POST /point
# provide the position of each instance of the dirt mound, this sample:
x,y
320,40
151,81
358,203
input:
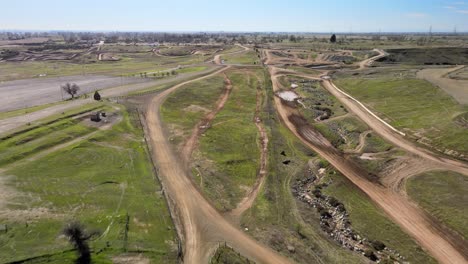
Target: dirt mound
x,y
427,56
345,58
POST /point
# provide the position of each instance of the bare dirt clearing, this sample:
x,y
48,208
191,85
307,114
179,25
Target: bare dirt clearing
x,y
31,92
458,89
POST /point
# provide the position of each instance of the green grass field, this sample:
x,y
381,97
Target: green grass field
x,y
106,183
249,57
413,104
46,133
231,144
186,106
443,194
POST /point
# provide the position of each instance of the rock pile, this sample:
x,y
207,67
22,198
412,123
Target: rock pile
x,y
334,220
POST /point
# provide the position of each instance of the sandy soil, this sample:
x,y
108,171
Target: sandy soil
x,y
31,92
444,245
458,89
202,226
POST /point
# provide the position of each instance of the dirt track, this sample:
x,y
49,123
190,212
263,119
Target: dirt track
x,y
444,245
201,126
202,226
368,62
458,89
389,133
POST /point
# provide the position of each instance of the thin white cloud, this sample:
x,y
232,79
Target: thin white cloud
x,y
459,3
449,7
416,15
462,11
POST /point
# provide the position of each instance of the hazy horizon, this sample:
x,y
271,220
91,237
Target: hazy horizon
x,y
297,16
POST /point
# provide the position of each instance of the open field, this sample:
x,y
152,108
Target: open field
x,y
414,106
248,58
457,88
228,157
258,156
27,93
443,194
15,121
111,188
185,107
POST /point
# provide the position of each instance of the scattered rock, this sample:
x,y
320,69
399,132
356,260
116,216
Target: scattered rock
x,y
291,249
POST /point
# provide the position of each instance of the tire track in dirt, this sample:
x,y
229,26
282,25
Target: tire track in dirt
x,y
203,227
248,200
204,124
445,245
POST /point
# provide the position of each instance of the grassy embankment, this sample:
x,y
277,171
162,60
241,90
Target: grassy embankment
x,y
413,106
106,182
45,134
443,194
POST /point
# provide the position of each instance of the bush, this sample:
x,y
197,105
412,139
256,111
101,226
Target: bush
x,y
378,245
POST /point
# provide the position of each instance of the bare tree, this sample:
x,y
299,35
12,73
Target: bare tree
x,y
78,237
71,89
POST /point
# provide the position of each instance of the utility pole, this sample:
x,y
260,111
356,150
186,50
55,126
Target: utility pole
x,y
455,30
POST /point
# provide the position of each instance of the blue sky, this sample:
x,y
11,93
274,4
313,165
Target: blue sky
x,y
237,15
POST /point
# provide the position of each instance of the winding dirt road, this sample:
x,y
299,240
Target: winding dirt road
x,y
443,244
203,227
368,62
